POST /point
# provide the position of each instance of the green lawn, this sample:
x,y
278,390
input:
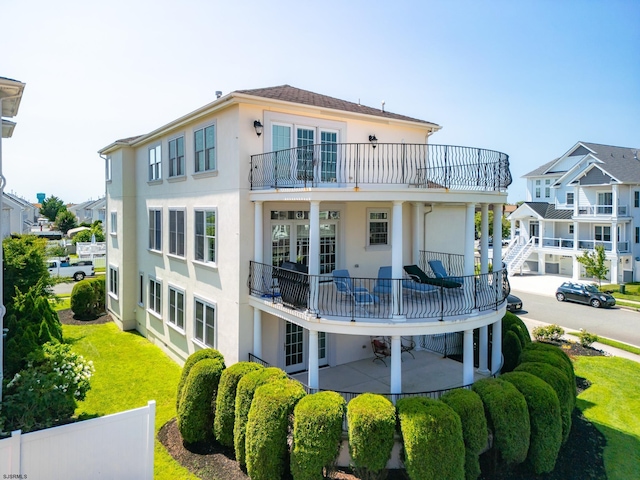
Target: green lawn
x,y
64,302
130,371
612,404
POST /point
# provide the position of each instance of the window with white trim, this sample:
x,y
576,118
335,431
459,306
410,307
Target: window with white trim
x,y
571,229
570,198
176,157
107,169
176,307
113,281
155,163
602,233
155,296
205,149
637,234
537,188
547,188
155,229
377,227
205,235
636,199
141,289
113,223
176,232
205,323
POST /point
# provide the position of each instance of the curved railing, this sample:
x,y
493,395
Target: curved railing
x,y
355,164
378,298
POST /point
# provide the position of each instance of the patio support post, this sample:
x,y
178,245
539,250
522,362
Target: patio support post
x,y
396,365
470,228
483,354
257,255
496,346
496,261
576,267
484,238
467,358
313,360
314,254
396,261
418,232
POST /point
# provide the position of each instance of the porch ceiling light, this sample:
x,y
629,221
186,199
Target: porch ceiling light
x,y
258,126
373,140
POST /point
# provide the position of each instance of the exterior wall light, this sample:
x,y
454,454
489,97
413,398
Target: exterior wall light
x,y
373,140
258,126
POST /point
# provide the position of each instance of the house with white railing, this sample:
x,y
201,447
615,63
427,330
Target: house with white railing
x,y
294,228
18,215
589,196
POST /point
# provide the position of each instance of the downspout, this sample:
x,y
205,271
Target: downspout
x,y
424,226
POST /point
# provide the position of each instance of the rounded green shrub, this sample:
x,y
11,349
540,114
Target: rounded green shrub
x,y
468,405
244,396
544,417
99,292
557,352
557,379
433,441
188,365
196,412
83,300
226,400
511,351
512,322
371,422
553,356
507,417
317,434
267,427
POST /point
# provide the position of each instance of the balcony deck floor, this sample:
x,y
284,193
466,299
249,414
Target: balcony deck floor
x,y
427,372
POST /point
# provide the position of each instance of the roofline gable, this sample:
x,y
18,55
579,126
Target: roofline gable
x,y
587,169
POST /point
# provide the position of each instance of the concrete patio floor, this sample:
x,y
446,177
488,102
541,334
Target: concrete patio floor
x,y
427,372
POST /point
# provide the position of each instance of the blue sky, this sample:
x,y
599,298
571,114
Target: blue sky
x,y
528,78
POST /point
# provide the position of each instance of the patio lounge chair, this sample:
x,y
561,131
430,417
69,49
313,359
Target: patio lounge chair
x,y
418,275
383,284
359,295
406,345
440,272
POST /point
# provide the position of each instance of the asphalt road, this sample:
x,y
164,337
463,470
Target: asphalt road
x,y
614,323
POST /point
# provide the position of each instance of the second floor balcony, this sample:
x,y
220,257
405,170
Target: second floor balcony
x,y
356,164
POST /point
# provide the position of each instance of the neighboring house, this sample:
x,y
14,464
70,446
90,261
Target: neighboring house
x,y
18,215
209,214
588,196
90,211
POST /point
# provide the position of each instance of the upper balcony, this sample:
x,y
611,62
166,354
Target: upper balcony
x,y
351,165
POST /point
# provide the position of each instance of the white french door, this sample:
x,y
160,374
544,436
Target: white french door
x,y
296,346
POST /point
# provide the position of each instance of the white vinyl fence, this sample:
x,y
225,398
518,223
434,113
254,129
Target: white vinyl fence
x,y
115,446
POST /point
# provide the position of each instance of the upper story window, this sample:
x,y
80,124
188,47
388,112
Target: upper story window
x,y
176,232
377,227
176,157
205,235
155,229
569,198
205,323
113,223
605,203
205,149
155,296
636,199
537,188
155,163
547,188
176,307
107,169
113,281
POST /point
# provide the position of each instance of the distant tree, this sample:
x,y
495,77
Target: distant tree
x,y
65,221
85,235
594,263
506,225
24,266
51,207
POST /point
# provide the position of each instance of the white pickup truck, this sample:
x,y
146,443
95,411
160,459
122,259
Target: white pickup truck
x,y
77,269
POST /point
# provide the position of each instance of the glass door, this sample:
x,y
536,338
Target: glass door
x,y
294,356
281,142
322,349
280,243
304,142
328,156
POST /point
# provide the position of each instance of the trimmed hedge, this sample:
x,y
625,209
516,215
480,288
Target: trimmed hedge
x,y
226,400
83,299
511,350
468,405
553,356
371,422
507,417
557,352
244,396
267,427
512,322
317,434
196,412
188,365
557,379
433,441
544,417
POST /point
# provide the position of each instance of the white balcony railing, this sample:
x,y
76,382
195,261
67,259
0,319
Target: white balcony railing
x,y
568,243
604,210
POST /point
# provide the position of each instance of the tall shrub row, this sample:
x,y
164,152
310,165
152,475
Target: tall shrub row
x,y
188,365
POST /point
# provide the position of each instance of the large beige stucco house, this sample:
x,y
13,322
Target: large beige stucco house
x,y
236,225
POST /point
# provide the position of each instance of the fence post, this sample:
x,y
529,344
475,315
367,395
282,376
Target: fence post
x,y
151,421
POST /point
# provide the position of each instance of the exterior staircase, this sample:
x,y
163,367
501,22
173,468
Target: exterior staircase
x,y
516,253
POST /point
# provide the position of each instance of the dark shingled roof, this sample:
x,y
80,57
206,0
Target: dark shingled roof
x,y
541,169
287,93
548,211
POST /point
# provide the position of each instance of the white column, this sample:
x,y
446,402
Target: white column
x,y
418,231
484,238
257,257
576,196
614,201
3,309
576,268
396,365
470,227
496,345
314,254
467,358
313,360
483,354
541,263
513,229
396,261
496,261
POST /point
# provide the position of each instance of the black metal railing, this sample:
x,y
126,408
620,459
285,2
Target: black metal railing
x,y
355,164
379,298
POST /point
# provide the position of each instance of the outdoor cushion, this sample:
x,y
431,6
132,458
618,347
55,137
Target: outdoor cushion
x,y
418,275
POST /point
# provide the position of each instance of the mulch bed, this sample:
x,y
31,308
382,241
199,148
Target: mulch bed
x,y
68,318
581,458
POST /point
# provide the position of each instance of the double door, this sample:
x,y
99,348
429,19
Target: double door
x,y
296,348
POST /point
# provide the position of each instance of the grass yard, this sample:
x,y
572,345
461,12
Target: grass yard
x,y
612,404
63,304
130,371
